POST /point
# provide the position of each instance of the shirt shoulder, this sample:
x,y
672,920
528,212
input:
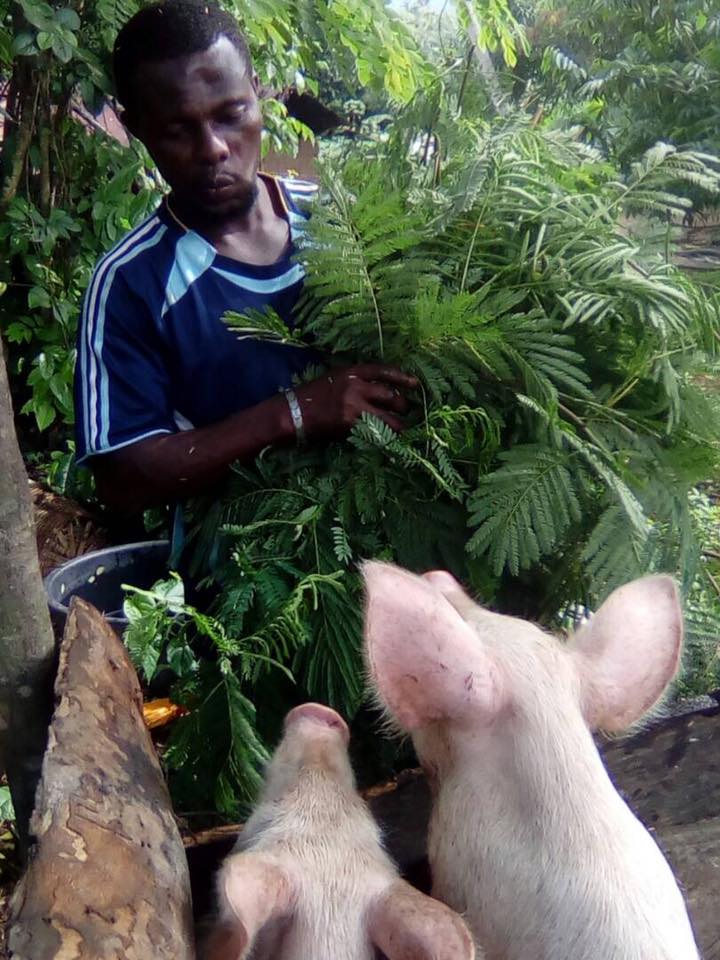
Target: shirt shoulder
x,y
142,267
138,250
298,194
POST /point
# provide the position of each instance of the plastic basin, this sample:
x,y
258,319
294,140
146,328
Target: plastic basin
x,y
98,578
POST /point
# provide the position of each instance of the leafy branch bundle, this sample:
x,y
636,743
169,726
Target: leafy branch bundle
x,y
549,454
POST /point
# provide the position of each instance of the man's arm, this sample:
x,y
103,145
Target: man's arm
x,y
170,467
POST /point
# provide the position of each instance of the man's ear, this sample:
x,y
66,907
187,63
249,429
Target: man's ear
x,y
629,652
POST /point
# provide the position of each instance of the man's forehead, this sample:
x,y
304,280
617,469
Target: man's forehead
x,y
220,68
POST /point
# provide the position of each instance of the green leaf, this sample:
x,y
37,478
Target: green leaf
x,y
180,657
24,44
524,508
45,414
64,46
38,297
6,46
7,811
68,18
45,40
18,332
145,647
39,14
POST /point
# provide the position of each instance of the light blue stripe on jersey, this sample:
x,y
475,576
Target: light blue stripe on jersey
x,y
254,285
104,379
159,431
145,237
306,187
89,391
298,225
300,192
193,256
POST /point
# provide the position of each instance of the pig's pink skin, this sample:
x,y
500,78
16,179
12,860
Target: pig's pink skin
x,y
309,879
528,837
321,714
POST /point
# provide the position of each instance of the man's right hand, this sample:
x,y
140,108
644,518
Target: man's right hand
x,y
175,466
331,404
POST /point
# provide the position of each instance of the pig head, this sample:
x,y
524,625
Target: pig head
x,y
528,837
309,879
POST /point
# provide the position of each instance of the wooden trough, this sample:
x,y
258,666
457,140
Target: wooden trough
x,y
109,877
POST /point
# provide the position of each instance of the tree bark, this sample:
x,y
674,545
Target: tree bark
x,y
487,67
27,646
109,877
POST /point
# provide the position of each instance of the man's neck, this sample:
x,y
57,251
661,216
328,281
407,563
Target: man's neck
x,y
258,235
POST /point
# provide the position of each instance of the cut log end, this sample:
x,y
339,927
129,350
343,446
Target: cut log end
x,y
109,875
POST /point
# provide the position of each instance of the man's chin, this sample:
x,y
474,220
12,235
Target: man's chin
x,y
210,208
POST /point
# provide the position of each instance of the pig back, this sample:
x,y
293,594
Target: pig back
x,y
553,888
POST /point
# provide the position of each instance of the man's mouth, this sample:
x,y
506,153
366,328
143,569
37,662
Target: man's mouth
x,y
217,186
219,192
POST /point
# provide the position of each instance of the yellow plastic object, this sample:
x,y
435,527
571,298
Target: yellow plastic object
x,y
158,713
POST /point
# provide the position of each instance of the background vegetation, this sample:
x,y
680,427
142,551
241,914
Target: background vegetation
x,y
501,217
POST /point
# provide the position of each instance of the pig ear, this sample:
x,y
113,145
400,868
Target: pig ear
x,y
404,923
629,652
252,892
425,660
225,942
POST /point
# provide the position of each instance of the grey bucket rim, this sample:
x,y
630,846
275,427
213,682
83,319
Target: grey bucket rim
x,y
50,578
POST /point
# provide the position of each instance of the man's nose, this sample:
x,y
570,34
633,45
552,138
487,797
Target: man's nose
x,y
213,148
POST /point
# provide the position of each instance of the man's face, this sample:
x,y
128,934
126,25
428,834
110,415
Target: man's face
x,y
200,119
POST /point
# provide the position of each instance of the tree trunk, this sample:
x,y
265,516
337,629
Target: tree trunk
x,y
487,67
27,646
109,878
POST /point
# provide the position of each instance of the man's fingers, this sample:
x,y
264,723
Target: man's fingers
x,y
389,397
379,371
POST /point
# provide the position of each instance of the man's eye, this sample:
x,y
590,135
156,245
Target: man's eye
x,y
234,113
174,131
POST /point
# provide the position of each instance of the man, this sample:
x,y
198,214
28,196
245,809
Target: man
x,y
166,395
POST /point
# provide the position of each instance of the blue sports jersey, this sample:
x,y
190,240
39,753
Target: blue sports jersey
x,y
154,355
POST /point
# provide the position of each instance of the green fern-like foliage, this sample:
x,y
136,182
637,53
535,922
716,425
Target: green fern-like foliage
x,y
550,449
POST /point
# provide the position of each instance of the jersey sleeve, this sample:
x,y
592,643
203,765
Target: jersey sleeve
x,y
122,380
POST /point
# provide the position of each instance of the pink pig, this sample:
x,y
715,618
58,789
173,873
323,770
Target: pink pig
x,y
528,837
309,879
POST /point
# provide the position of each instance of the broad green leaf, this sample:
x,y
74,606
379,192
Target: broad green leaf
x,y
45,40
7,811
45,414
68,18
39,14
38,297
24,44
64,46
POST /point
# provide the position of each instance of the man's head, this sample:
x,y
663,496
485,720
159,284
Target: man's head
x,y
184,76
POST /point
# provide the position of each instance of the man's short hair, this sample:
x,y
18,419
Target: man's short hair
x,y
175,28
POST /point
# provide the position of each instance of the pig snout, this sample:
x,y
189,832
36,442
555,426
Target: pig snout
x,y
322,716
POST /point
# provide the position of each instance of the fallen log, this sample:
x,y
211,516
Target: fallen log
x,y
108,878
